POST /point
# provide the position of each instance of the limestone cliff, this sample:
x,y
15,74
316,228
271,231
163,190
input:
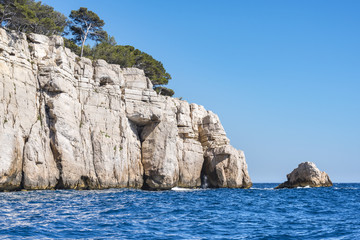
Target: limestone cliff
x,y
72,123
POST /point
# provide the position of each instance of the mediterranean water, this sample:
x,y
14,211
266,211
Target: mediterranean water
x,y
257,213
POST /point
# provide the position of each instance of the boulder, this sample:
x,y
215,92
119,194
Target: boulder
x,y
306,174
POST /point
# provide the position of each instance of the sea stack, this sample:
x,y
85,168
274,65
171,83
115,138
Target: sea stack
x,y
306,174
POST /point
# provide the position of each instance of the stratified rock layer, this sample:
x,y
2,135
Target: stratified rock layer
x,y
67,122
306,174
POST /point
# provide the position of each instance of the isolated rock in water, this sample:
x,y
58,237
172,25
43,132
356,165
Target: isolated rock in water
x,y
72,123
306,174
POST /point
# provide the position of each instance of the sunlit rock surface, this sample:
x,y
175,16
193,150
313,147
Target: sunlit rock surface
x,y
72,123
306,174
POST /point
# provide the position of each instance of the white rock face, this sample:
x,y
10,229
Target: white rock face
x,y
68,122
306,174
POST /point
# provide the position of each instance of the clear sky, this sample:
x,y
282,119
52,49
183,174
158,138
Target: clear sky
x,y
283,76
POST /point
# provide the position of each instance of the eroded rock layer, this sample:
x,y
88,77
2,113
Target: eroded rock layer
x,y
72,123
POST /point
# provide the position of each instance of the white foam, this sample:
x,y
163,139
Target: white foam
x,y
347,188
178,189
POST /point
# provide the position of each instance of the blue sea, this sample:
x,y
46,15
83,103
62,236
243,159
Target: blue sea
x,y
256,213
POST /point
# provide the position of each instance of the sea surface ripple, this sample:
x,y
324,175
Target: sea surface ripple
x,y
257,213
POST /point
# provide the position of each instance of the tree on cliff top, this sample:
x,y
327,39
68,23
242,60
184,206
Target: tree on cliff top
x,y
86,25
30,16
128,56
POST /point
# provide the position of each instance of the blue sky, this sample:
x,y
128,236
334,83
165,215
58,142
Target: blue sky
x,y
283,76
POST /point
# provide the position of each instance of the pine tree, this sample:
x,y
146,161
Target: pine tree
x,y
86,25
30,16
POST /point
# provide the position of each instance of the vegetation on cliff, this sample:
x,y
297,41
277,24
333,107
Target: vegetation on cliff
x,y
127,56
32,16
85,25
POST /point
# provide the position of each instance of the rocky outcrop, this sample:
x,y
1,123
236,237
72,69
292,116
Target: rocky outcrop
x,y
72,123
306,174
